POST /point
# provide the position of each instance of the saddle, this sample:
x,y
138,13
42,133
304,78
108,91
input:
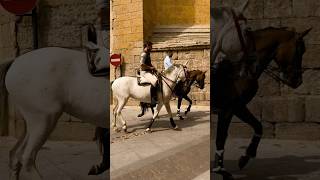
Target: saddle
x,y
96,66
153,90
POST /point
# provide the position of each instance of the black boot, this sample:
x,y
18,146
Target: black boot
x,y
143,109
154,96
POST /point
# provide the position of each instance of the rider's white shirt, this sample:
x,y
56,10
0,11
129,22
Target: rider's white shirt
x,y
167,62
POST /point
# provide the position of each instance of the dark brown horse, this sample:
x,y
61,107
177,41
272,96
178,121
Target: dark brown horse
x,y
283,46
182,90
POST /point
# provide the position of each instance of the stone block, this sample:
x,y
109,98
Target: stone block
x,y
268,86
254,11
260,24
297,131
312,109
302,24
283,109
306,8
310,85
7,35
277,8
310,57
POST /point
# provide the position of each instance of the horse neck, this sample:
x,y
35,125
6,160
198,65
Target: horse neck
x,y
266,42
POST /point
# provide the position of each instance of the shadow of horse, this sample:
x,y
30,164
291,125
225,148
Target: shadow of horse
x,y
283,168
163,123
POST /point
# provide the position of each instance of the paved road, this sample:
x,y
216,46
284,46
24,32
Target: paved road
x,y
276,160
58,160
165,153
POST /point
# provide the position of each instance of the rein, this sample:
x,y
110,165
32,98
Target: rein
x,y
171,80
241,39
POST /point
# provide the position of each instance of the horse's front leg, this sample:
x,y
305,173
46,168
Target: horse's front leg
x,y
155,115
190,104
173,124
246,116
224,120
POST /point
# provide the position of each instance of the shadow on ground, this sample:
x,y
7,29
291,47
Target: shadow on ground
x,y
163,122
283,168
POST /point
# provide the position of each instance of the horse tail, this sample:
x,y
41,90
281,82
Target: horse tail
x,y
4,99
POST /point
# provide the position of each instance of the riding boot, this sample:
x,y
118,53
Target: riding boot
x,y
214,98
154,97
143,109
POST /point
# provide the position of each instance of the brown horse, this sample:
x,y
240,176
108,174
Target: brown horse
x,y
182,90
286,48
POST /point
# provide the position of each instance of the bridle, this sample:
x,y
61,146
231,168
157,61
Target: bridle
x,y
275,72
173,82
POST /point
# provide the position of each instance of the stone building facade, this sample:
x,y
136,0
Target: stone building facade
x,y
178,25
286,113
61,23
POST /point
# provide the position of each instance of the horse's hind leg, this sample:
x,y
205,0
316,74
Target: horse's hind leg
x,y
121,104
224,120
39,126
15,156
114,121
246,116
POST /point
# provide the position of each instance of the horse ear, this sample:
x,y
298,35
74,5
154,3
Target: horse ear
x,y
244,6
304,33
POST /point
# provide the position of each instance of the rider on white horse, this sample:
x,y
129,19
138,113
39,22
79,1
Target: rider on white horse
x,y
147,71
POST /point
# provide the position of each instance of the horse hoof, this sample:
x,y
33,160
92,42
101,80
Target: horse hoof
x,y
177,128
148,130
243,161
181,118
225,174
115,129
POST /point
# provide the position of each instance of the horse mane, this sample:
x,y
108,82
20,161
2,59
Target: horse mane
x,y
171,68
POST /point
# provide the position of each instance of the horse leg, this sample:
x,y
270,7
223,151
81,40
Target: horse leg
x,y
121,104
173,124
15,156
224,120
190,104
179,106
102,135
39,127
114,121
155,115
246,116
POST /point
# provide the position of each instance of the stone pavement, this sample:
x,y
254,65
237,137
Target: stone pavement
x,y
58,160
276,160
165,153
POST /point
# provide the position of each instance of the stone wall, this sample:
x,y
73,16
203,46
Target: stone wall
x,y
61,23
286,113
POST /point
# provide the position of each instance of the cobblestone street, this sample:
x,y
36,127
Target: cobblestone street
x,y
171,154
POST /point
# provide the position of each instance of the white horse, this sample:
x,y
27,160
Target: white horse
x,y
127,87
43,84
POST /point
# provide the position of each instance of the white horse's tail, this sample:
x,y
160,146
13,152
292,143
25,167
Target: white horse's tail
x,y
4,99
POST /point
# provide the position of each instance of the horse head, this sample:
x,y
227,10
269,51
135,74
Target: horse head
x,y
288,56
200,79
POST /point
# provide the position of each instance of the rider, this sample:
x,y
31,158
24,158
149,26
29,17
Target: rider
x,y
243,34
148,71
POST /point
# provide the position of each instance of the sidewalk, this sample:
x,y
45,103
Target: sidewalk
x,y
165,153
276,160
